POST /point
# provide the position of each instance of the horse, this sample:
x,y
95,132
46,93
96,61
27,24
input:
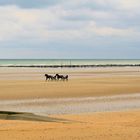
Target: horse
x,y
54,77
61,77
65,77
49,77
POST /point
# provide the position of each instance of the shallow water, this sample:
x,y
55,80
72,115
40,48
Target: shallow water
x,y
39,62
73,105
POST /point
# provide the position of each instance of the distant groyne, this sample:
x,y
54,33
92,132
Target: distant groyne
x,y
73,66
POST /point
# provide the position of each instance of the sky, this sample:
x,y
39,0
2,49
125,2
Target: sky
x,y
92,29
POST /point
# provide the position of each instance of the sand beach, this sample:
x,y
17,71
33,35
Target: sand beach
x,y
95,103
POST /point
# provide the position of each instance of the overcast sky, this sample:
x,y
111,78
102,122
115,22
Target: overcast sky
x,y
70,29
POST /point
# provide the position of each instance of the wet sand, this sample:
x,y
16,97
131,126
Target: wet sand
x,y
78,105
24,116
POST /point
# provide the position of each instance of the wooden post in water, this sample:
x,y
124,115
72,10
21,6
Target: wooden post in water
x,y
61,64
70,62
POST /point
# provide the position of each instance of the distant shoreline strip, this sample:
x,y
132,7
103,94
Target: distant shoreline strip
x,y
73,66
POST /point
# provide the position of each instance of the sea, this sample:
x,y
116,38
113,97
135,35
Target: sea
x,y
68,62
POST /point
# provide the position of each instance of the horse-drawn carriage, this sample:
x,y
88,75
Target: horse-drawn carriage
x,y
56,77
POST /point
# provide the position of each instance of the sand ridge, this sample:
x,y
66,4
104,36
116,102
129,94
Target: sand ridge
x,y
24,116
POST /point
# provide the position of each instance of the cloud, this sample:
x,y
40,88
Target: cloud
x,y
66,20
76,4
110,31
31,3
58,23
17,23
129,4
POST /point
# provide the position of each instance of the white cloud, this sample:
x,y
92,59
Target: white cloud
x,y
130,4
110,31
16,23
59,22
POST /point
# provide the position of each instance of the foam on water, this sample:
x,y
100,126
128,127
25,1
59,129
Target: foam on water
x,y
48,62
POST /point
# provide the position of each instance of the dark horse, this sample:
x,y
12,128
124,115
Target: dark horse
x,y
65,77
50,77
61,77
